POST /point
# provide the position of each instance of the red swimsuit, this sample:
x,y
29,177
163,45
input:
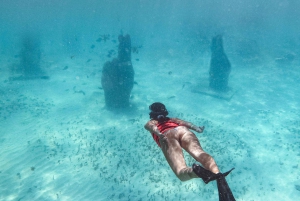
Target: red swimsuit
x,y
164,127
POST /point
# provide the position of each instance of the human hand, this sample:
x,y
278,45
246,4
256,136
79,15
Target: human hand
x,y
199,129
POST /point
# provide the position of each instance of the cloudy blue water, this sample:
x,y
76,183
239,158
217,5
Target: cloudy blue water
x,y
59,142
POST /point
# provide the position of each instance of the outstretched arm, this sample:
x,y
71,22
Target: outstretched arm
x,y
152,128
188,125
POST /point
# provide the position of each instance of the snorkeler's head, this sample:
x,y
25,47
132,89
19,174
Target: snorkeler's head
x,y
158,111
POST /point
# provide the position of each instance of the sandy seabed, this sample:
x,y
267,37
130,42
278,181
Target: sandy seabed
x,y
59,142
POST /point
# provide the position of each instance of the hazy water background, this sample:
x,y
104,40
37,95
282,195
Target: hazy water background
x,y
71,140
168,23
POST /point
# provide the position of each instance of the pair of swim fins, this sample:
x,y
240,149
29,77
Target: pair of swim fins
x,y
225,193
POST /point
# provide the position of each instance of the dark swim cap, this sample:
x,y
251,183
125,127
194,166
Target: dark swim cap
x,y
158,111
157,107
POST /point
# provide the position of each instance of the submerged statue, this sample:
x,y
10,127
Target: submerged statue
x,y
219,66
118,76
30,59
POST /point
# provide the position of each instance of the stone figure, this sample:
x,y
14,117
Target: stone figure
x,y
30,57
30,60
118,76
219,66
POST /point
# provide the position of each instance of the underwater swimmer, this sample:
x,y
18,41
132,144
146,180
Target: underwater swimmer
x,y
173,134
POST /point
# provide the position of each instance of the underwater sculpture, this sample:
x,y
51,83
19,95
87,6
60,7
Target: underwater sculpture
x,y
30,59
219,66
118,76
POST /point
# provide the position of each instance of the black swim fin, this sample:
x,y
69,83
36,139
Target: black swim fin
x,y
204,174
207,175
225,193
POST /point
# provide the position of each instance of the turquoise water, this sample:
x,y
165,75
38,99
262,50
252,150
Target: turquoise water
x,y
59,142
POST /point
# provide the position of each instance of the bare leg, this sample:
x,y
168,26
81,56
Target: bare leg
x,y
173,153
192,145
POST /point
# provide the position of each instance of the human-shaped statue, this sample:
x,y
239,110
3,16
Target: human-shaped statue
x,y
30,57
30,60
118,76
219,66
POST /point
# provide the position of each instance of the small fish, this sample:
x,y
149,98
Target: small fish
x,y
135,83
103,37
171,97
135,50
65,68
88,60
81,92
72,56
45,77
137,59
170,72
92,46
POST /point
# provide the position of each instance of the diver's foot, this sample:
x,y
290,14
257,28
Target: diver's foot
x,y
206,175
